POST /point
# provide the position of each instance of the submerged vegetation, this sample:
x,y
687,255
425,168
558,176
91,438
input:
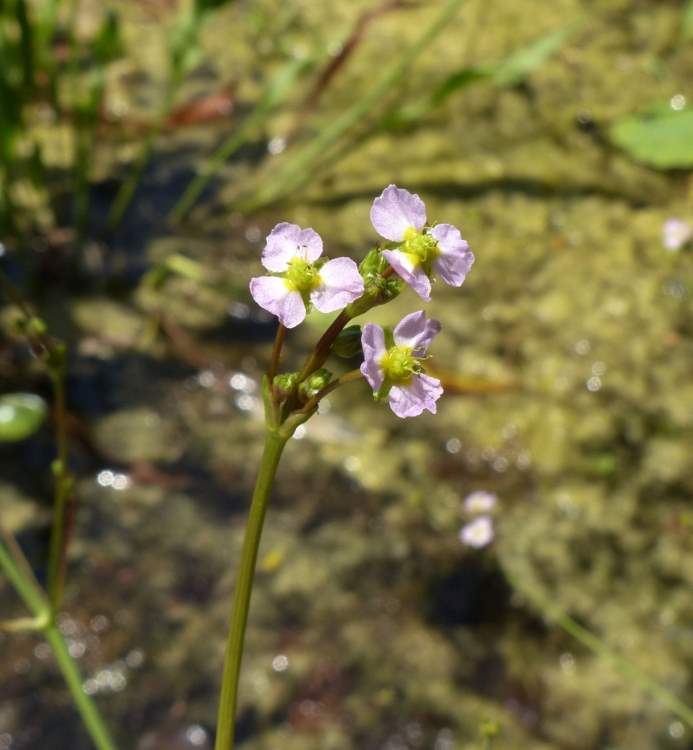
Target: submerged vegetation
x,y
514,572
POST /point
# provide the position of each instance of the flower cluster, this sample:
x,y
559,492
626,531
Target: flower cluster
x,y
415,252
399,216
294,254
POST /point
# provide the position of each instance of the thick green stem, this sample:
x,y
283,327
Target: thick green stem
x,y
34,599
226,720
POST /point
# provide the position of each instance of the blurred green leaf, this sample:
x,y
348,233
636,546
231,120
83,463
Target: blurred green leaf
x,y
300,166
458,80
687,21
515,68
26,44
278,88
107,43
508,72
660,137
21,414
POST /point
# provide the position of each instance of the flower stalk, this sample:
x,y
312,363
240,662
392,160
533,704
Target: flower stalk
x,y
44,606
18,571
275,441
301,279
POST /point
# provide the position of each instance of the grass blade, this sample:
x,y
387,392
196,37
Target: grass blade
x,y
276,91
299,169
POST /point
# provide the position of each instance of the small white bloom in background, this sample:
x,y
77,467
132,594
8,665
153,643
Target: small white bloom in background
x,y
480,502
477,533
675,234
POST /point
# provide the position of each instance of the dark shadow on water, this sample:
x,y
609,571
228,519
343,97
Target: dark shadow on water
x,y
528,186
469,595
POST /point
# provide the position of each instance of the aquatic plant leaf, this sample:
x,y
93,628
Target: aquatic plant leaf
x,y
21,414
515,68
107,44
456,81
508,72
660,137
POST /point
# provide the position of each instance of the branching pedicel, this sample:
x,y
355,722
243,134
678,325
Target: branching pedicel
x,y
393,364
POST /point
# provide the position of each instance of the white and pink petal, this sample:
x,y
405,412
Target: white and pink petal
x,y
273,295
412,273
288,241
395,211
413,399
455,259
373,345
341,284
416,332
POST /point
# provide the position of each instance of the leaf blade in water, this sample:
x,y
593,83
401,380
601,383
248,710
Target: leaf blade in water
x,y
661,137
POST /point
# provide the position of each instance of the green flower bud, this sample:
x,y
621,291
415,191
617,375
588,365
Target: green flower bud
x,y
314,383
285,383
373,264
378,291
348,342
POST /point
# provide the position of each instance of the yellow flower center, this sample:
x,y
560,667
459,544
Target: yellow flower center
x,y
302,276
419,247
399,364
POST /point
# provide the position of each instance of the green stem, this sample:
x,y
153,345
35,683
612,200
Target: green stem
x,y
226,720
28,590
276,352
33,597
63,489
86,707
322,349
348,377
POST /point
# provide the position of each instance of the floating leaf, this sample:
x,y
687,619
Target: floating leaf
x,y
661,137
21,414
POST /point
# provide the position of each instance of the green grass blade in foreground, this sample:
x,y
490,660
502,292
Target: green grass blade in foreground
x,y
299,168
35,601
520,577
276,91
